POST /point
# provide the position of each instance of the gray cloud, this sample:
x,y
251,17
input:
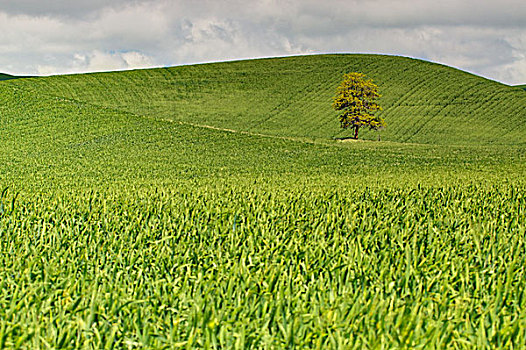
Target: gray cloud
x,y
63,8
50,37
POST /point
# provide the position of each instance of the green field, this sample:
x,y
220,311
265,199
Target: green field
x,y
210,206
423,102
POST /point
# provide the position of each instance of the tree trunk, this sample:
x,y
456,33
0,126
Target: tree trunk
x,y
356,133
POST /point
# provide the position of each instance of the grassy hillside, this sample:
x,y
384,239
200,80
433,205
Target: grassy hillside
x,y
51,138
423,102
522,86
6,76
123,226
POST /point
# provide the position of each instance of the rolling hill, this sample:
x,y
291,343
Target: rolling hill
x,y
209,206
291,97
6,76
48,140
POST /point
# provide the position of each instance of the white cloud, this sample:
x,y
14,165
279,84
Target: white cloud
x,y
98,61
44,37
136,59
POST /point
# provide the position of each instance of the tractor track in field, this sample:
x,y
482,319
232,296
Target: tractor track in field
x,y
248,133
335,142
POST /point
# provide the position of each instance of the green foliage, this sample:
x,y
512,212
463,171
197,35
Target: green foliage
x,y
356,99
426,103
123,226
258,267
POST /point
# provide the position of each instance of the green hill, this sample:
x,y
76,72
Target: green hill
x,y
6,76
522,86
48,140
129,219
423,102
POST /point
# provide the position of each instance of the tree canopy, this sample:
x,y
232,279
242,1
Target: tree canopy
x,y
356,99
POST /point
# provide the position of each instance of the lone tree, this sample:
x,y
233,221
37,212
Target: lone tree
x,y
356,99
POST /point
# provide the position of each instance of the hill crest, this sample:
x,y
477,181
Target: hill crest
x,y
423,102
4,76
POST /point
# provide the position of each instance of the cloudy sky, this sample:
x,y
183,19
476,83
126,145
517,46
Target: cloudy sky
x,y
486,37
